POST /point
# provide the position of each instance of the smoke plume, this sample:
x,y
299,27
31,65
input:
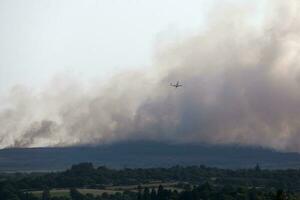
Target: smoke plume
x,y
241,79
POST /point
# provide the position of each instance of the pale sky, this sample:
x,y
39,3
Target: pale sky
x,y
91,39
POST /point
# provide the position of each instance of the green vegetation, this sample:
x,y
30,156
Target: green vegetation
x,y
85,182
66,192
53,193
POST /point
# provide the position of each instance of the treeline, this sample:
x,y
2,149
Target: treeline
x,y
194,183
205,191
86,175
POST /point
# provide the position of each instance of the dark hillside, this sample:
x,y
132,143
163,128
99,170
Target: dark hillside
x,y
145,154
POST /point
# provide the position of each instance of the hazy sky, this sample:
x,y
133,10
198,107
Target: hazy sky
x,y
90,39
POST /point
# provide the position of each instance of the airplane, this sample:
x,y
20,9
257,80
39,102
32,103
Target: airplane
x,y
176,85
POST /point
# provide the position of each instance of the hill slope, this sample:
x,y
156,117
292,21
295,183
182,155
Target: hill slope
x,y
145,154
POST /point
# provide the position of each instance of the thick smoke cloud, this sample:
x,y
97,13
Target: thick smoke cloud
x,y
241,81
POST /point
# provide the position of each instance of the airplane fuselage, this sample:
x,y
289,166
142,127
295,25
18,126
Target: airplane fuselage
x,y
176,85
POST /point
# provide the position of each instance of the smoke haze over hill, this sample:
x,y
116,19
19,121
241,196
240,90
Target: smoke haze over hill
x,y
241,85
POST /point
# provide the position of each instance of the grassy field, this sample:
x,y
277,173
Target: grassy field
x,y
98,191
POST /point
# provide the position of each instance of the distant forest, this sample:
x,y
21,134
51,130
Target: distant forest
x,y
192,183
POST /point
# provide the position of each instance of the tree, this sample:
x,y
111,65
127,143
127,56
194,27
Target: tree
x,y
280,195
146,194
257,168
139,195
252,194
75,195
153,194
8,192
161,193
46,194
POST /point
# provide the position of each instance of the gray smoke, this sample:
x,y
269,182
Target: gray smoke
x,y
241,81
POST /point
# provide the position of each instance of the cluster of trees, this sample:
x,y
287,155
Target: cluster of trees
x,y
86,175
212,183
203,192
